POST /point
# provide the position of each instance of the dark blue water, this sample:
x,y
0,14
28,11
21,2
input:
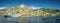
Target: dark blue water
x,y
30,20
57,21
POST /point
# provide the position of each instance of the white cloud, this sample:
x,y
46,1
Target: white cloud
x,y
34,7
2,7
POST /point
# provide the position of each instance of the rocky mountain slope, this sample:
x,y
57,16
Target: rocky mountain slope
x,y
26,11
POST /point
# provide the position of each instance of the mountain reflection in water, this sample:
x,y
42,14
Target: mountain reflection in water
x,y
28,20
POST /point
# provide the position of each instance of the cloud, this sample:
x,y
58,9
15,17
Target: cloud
x,y
3,7
34,7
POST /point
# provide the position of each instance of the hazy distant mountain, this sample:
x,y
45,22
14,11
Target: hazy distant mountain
x,y
24,10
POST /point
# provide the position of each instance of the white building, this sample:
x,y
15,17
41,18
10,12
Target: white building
x,y
13,15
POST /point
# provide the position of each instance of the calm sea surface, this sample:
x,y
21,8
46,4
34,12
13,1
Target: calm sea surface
x,y
30,20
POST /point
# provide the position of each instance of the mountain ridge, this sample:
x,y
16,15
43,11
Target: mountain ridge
x,y
29,12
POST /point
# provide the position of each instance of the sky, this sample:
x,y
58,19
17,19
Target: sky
x,y
36,3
